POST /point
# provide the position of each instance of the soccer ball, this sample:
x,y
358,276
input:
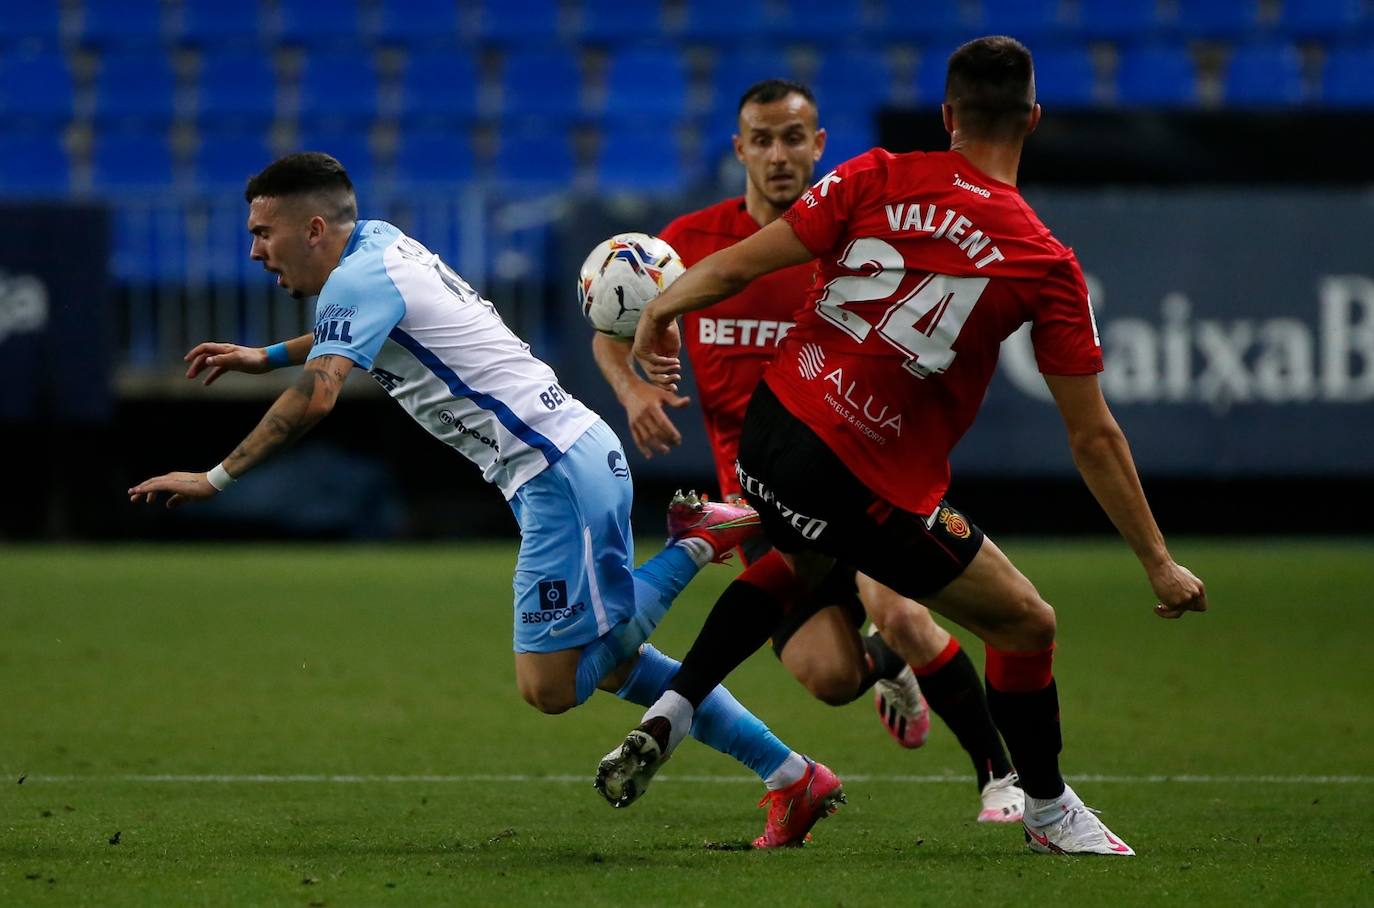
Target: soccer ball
x,y
621,276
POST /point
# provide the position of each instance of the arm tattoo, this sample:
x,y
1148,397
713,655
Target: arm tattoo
x,y
292,415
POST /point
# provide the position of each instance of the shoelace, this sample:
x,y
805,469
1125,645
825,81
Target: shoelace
x,y
901,696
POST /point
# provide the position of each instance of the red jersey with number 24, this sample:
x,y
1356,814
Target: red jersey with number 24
x,y
731,344
925,266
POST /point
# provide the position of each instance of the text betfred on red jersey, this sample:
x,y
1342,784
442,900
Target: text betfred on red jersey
x,y
925,266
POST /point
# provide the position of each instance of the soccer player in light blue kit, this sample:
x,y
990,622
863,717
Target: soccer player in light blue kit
x,y
390,306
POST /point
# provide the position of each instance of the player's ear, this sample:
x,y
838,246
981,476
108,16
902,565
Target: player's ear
x,y
947,115
820,145
1034,120
315,230
739,148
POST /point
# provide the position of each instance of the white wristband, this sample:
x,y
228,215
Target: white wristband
x,y
220,478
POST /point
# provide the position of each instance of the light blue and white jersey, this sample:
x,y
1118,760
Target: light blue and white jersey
x,y
443,352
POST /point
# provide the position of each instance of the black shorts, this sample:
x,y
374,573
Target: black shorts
x,y
838,589
809,501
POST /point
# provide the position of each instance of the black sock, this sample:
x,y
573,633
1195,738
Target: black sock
x,y
884,663
1029,722
741,621
954,692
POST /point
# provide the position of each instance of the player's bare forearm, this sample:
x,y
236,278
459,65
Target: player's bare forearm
x,y
298,348
295,412
614,357
1103,457
1104,460
728,271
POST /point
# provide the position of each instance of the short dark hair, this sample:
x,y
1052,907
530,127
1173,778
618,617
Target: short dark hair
x,y
990,83
306,173
770,90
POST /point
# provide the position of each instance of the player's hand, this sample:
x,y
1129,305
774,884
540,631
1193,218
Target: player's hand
x,y
657,344
220,358
183,487
1179,591
652,430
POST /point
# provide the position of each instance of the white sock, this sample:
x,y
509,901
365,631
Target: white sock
x,y
789,773
699,550
678,711
1043,812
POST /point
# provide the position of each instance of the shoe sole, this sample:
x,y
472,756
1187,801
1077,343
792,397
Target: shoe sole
x,y
624,776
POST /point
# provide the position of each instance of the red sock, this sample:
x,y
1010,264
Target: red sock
x,y
1019,672
772,575
934,665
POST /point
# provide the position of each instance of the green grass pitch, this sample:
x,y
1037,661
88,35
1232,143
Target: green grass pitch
x,y
159,701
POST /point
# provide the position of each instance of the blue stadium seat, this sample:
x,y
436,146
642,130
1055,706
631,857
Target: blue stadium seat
x,y
858,82
310,23
1346,78
534,157
434,156
642,159
1267,74
646,81
350,146
213,22
35,86
148,244
820,21
541,84
1025,20
1328,19
418,23
1228,19
1065,77
518,22
735,71
1119,20
845,137
439,84
33,164
131,160
926,22
31,25
238,86
134,85
930,76
1156,76
225,161
338,86
122,22
607,24
724,21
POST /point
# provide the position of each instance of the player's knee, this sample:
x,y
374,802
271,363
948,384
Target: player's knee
x,y
830,682
1036,627
550,699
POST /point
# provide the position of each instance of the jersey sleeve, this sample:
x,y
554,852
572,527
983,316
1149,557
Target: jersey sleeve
x,y
820,216
355,313
1063,327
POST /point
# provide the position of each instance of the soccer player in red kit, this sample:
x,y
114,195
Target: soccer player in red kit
x,y
778,143
927,262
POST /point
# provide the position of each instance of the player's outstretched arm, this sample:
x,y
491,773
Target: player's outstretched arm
x,y
296,411
652,430
214,358
1103,457
721,274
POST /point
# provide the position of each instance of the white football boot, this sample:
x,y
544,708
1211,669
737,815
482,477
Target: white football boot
x,y
1003,802
1073,829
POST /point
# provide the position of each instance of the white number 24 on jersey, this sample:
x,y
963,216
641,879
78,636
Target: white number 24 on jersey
x,y
923,324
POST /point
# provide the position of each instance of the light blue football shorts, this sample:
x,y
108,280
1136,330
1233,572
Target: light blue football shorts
x,y
573,579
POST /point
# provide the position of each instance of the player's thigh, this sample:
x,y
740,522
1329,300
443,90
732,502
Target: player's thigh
x,y
548,681
996,601
573,579
906,624
826,655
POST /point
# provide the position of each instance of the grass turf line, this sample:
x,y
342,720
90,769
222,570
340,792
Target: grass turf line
x,y
395,660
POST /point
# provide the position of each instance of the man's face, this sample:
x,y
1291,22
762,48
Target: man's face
x,y
779,144
285,240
